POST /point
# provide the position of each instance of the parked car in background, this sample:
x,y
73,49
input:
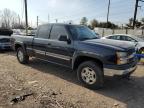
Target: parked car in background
x,y
139,42
17,32
78,48
5,39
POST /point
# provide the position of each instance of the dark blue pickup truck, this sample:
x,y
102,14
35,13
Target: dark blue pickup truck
x,y
79,49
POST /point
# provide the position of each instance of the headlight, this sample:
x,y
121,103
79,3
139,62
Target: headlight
x,y
122,58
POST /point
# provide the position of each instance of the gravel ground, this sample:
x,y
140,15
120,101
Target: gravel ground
x,y
53,86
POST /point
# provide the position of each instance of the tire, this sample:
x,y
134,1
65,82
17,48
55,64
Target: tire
x,y
22,57
91,75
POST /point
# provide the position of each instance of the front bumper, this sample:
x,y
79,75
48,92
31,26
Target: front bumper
x,y
121,70
113,72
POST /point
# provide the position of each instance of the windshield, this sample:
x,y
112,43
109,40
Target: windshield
x,y
82,33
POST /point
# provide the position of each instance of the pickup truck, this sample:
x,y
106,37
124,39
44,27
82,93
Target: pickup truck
x,y
78,48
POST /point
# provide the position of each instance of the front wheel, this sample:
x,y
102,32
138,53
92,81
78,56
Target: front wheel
x,y
22,56
91,75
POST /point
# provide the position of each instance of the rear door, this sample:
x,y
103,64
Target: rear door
x,y
41,40
59,51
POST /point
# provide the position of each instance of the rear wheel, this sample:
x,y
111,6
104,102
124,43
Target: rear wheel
x,y
22,57
91,75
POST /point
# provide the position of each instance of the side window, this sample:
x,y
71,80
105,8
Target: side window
x,y
118,37
57,30
111,37
44,31
130,39
123,38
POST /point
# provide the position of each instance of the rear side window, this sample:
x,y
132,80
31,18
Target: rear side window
x,y
112,37
57,30
130,39
44,31
123,38
115,37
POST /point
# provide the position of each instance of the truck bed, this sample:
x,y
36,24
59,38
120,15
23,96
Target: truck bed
x,y
28,40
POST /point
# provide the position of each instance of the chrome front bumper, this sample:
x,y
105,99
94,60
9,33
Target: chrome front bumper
x,y
112,72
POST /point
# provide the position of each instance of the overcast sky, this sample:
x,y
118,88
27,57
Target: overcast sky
x,y
64,10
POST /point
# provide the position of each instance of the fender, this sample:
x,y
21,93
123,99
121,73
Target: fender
x,y
20,44
78,54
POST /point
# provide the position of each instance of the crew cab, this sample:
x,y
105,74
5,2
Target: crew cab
x,y
78,48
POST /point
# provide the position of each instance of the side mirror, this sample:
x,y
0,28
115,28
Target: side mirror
x,y
64,38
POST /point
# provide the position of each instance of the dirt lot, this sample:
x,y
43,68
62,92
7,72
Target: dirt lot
x,y
55,87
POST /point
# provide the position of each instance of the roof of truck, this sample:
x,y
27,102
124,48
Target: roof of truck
x,y
61,24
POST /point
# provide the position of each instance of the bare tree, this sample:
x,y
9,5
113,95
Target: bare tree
x,y
6,18
10,19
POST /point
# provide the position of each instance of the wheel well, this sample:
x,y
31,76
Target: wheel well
x,y
82,59
17,46
141,49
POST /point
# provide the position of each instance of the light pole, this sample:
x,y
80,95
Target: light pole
x,y
108,12
26,17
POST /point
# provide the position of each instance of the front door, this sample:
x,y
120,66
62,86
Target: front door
x,y
58,51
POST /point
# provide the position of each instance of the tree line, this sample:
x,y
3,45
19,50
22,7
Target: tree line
x,y
95,23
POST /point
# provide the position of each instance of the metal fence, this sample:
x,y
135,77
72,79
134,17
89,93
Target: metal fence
x,y
105,32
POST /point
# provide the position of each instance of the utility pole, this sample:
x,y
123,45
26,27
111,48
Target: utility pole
x,y
108,12
37,21
48,18
135,12
56,20
26,17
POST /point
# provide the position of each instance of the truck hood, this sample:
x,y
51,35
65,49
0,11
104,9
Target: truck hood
x,y
115,44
